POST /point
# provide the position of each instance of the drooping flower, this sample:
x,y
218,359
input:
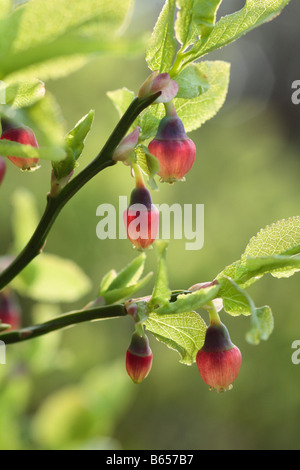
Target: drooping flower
x,y
23,136
138,358
219,361
141,219
175,152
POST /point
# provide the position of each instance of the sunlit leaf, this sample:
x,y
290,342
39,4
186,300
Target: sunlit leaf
x,y
185,333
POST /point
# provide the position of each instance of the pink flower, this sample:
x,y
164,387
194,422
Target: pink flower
x,y
126,147
159,82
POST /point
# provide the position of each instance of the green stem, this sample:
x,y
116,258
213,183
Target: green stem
x,y
139,180
213,314
139,329
179,63
170,109
103,312
183,59
63,321
56,203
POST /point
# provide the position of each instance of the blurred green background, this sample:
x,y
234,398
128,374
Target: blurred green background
x,y
70,390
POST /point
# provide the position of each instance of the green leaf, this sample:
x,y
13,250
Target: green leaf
x,y
188,302
195,18
294,250
129,276
195,112
161,292
184,333
76,137
52,279
267,252
112,296
162,46
273,250
274,239
236,277
25,93
148,164
236,301
192,82
58,17
107,280
8,148
262,322
279,266
231,27
74,145
118,286
262,325
62,29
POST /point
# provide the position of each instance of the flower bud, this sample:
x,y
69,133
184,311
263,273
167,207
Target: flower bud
x,y
2,169
141,219
23,136
138,358
219,361
175,152
131,309
159,82
9,310
126,147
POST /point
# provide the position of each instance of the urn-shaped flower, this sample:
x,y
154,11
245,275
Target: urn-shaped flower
x,y
219,361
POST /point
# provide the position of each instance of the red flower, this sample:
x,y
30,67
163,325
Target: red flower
x,y
219,361
175,152
9,311
138,358
23,136
141,219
